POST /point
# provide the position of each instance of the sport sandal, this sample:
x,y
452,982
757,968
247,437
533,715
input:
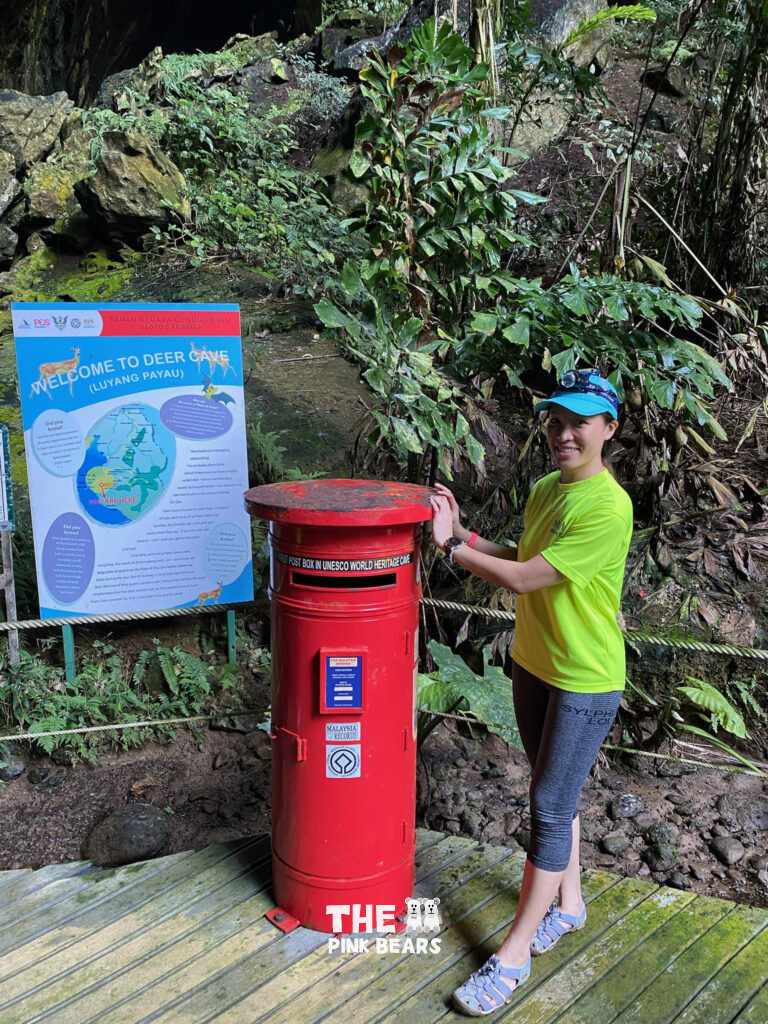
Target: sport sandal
x,y
554,926
486,990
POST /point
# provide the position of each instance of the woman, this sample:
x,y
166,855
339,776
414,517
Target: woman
x,y
569,668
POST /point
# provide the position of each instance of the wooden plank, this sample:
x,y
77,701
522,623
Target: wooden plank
x,y
637,971
270,999
114,894
663,1001
733,985
123,945
30,882
12,875
481,936
131,990
545,1003
205,1003
756,1011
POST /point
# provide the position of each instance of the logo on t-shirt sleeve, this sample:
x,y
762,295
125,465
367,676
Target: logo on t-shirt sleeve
x,y
558,528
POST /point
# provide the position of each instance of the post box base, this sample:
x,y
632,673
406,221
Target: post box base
x,y
370,902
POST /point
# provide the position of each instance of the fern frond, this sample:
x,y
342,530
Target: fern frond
x,y
634,12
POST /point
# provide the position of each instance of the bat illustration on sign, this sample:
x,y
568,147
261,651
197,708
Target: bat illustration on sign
x,y
210,391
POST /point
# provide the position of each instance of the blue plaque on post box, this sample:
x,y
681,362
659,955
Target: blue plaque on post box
x,y
341,680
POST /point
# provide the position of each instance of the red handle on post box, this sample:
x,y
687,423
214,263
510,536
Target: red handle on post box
x,y
301,743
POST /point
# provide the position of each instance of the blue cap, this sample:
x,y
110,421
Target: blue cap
x,y
584,392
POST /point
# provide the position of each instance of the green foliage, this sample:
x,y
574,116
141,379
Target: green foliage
x,y
455,685
248,202
35,698
743,692
606,321
713,707
265,462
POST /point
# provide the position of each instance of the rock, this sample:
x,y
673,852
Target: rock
x,y
452,826
524,837
30,125
471,822
758,862
614,843
440,772
132,187
701,870
589,830
511,822
14,767
493,832
660,832
10,189
763,877
62,757
495,772
38,774
671,81
627,805
133,832
51,781
679,881
643,871
676,798
721,830
747,812
674,769
224,757
644,820
9,240
115,91
661,856
727,849
259,743
616,783
555,27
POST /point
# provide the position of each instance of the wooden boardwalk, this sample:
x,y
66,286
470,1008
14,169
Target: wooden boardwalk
x,y
183,940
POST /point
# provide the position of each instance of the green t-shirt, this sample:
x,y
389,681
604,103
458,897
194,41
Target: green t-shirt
x,y
568,634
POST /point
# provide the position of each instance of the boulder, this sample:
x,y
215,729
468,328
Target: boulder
x,y
30,125
661,856
555,24
8,242
117,91
131,833
350,26
10,189
135,187
727,849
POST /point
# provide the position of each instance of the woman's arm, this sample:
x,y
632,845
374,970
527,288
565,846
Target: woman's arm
x,y
481,544
519,577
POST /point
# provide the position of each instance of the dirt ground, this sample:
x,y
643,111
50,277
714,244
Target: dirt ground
x,y
217,787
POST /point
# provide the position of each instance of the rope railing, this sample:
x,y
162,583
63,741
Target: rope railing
x,y
631,636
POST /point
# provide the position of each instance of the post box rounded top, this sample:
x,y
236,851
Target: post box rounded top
x,y
340,502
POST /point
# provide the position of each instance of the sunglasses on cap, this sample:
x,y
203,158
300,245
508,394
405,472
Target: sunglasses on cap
x,y
578,381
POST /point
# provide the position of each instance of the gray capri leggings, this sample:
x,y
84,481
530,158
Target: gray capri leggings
x,y
562,733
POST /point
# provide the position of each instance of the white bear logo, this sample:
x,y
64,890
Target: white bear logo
x,y
432,921
413,920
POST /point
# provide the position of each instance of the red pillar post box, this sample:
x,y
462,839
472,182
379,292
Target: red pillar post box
x,y
345,588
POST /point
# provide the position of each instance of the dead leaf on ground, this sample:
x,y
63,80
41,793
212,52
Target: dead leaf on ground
x,y
140,787
738,627
708,614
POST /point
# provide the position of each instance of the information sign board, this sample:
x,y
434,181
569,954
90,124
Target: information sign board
x,y
134,424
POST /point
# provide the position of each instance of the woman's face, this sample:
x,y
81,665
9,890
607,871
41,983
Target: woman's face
x,y
576,442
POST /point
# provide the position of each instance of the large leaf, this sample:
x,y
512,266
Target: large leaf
x,y
705,696
489,696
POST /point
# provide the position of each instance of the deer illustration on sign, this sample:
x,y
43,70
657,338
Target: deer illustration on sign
x,y
208,594
65,367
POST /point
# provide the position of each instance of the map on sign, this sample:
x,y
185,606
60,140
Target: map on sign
x,y
134,425
129,460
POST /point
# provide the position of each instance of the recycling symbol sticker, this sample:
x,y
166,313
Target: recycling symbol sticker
x,y
342,762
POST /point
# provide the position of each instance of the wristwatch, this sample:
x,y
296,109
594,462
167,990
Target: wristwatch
x,y
450,546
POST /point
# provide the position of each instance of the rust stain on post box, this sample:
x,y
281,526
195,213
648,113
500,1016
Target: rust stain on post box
x,y
340,502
